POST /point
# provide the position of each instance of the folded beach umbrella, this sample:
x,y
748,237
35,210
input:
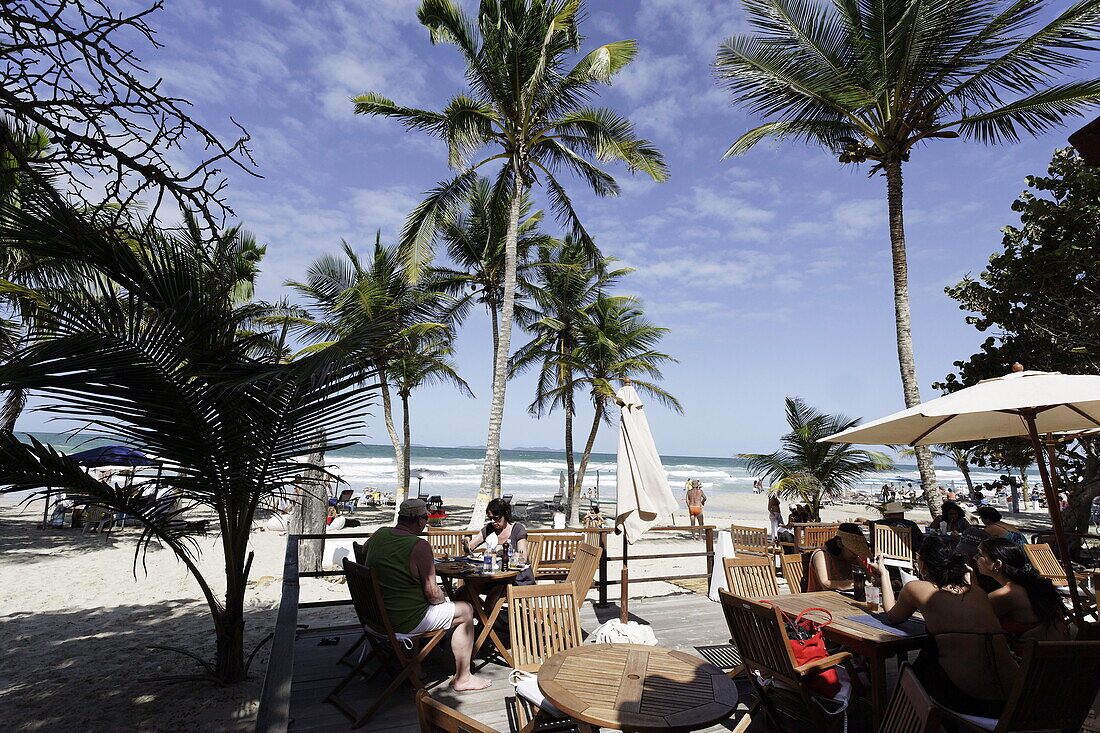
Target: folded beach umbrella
x,y
1020,404
641,484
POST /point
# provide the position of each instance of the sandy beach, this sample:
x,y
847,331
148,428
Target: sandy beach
x,y
79,618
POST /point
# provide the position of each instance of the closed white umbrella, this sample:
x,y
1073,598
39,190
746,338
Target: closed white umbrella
x,y
641,484
1020,404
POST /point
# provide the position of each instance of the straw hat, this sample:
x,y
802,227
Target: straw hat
x,y
894,507
854,543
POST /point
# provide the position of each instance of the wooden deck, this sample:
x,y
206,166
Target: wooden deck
x,y
686,622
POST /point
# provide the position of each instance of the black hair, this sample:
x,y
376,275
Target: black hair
x,y
833,546
501,508
943,564
948,506
988,514
1045,601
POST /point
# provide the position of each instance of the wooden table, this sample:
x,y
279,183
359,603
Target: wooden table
x,y
640,688
493,586
871,643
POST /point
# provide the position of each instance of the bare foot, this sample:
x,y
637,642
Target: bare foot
x,y
470,683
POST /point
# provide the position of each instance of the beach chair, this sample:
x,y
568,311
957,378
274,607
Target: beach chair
x,y
582,572
507,498
551,555
519,511
1043,559
760,636
346,501
813,536
99,520
558,500
793,568
542,621
910,710
435,717
750,577
386,645
751,540
895,544
435,503
1054,690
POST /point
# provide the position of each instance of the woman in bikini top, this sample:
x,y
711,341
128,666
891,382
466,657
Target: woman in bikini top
x,y
968,666
1027,604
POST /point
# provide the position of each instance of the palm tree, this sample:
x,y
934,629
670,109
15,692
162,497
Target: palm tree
x,y
147,346
871,80
616,342
958,453
563,285
809,470
419,359
528,107
343,292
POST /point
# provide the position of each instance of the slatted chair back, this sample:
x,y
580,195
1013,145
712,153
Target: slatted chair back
x,y
1045,696
543,620
895,543
445,542
366,596
793,567
1043,560
759,635
751,540
359,552
583,570
910,710
808,537
551,555
750,577
435,717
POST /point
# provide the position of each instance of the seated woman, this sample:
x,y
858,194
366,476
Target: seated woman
x,y
996,526
952,520
831,567
499,530
968,666
1027,604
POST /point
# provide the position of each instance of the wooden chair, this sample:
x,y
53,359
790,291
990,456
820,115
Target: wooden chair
x,y
446,542
1054,690
760,635
435,717
751,540
910,710
1042,558
793,568
384,643
893,543
583,570
542,620
551,555
750,577
809,537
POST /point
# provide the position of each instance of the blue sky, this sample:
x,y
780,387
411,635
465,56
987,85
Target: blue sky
x,y
772,270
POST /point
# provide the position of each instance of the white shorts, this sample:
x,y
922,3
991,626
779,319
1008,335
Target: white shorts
x,y
439,616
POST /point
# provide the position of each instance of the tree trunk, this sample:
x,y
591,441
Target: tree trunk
x,y
310,513
402,491
903,324
570,464
490,472
965,468
494,316
575,496
406,466
229,663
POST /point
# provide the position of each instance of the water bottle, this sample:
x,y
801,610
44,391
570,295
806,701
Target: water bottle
x,y
859,583
487,563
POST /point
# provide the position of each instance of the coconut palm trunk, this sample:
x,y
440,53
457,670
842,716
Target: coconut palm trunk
x,y
402,491
490,473
406,454
903,323
570,463
494,315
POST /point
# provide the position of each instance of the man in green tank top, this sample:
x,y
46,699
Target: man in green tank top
x,y
414,602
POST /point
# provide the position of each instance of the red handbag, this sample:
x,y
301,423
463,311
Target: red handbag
x,y
808,645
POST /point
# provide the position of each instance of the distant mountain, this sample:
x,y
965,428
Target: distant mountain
x,y
470,447
537,449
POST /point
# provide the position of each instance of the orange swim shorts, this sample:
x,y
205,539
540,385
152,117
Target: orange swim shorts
x,y
696,511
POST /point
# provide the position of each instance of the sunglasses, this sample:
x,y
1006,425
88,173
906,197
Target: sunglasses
x,y
495,517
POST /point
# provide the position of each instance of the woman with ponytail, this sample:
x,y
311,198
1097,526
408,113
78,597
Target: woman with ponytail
x,y
967,665
1027,604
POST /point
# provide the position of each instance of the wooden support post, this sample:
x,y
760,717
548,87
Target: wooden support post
x,y
624,580
710,550
602,600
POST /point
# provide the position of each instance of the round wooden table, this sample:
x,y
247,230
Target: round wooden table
x,y
640,688
475,584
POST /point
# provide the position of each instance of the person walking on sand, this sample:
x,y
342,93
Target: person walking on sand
x,y
775,515
406,571
695,501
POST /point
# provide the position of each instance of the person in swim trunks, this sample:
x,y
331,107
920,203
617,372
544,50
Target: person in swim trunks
x,y
695,501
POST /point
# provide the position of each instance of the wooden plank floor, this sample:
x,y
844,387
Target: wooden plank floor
x,y
683,622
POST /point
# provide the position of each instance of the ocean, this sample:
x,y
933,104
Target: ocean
x,y
536,474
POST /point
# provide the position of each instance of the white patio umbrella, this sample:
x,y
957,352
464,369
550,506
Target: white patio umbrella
x,y
642,493
1020,404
